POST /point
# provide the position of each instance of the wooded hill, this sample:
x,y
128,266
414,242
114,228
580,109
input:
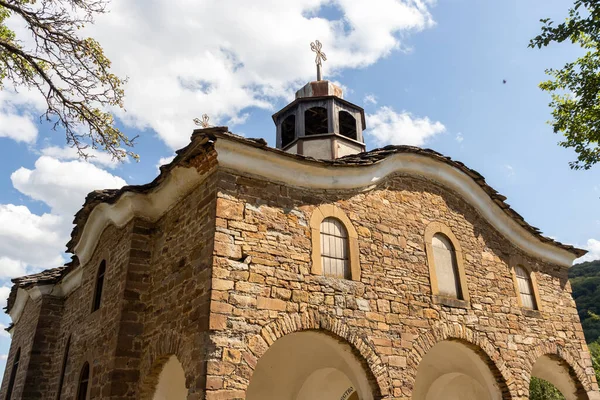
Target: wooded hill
x,y
585,281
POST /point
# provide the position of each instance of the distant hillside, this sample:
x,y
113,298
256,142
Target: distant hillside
x,y
585,281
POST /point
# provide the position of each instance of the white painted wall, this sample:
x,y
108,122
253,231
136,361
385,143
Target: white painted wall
x,y
309,366
171,382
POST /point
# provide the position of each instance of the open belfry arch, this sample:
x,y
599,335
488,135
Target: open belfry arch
x,y
313,269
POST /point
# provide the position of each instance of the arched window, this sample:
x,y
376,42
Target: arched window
x,y
334,248
525,287
84,380
13,374
446,268
63,368
99,285
315,121
334,243
347,125
288,130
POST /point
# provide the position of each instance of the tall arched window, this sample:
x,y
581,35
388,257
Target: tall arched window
x,y
84,380
446,267
525,287
334,248
315,121
288,130
347,125
63,368
99,285
13,374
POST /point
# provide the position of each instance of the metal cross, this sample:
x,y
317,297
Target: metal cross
x,y
204,123
316,47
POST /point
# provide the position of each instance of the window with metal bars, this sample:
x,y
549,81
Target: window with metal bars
x,y
13,374
525,288
315,121
84,379
446,268
334,249
99,285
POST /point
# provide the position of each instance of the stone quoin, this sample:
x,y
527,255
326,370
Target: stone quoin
x,y
313,270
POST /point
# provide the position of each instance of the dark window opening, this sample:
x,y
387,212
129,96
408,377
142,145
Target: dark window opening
x,y
347,125
288,130
99,285
84,379
64,368
13,374
315,121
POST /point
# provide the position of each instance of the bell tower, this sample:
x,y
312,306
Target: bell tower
x,y
319,123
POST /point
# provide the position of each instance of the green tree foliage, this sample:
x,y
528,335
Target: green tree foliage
x,y
70,71
575,88
585,283
540,389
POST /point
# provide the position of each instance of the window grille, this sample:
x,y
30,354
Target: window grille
x,y
334,248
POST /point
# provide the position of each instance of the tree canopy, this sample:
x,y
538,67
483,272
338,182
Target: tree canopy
x,y
71,72
575,88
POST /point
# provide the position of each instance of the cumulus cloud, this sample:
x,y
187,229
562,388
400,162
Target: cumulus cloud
x,y
62,185
186,58
459,137
163,161
593,248
94,156
4,292
370,99
389,127
18,111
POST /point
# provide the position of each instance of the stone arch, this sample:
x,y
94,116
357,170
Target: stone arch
x,y
160,350
477,342
312,320
563,356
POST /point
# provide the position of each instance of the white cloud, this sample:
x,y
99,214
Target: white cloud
x,y
10,268
94,156
459,137
163,161
5,334
370,99
389,127
62,185
4,292
17,127
510,171
593,248
186,58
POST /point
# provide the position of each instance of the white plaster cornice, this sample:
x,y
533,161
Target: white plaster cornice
x,y
278,167
271,165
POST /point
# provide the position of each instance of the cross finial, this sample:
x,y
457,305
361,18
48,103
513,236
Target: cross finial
x,y
204,122
316,47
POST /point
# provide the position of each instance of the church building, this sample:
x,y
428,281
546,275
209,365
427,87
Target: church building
x,y
315,270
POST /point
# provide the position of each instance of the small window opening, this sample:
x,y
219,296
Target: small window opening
x,y
99,285
446,268
288,130
525,288
63,368
84,379
347,125
334,248
13,374
315,121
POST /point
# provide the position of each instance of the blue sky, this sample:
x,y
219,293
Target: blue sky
x,y
426,74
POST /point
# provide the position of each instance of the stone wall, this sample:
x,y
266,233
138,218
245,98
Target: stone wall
x,y
261,277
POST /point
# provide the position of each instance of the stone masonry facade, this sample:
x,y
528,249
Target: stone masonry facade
x,y
226,271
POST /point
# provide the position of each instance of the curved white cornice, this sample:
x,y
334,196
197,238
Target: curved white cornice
x,y
277,167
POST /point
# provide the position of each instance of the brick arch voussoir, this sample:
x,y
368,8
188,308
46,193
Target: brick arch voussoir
x,y
165,345
313,320
557,351
477,341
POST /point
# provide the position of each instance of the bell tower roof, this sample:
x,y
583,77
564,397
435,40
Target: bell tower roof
x,y
319,123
